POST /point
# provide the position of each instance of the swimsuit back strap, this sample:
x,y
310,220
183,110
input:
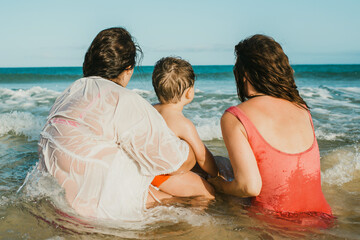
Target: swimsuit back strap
x,y
248,125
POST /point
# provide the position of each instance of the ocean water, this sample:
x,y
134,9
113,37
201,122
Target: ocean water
x,y
37,209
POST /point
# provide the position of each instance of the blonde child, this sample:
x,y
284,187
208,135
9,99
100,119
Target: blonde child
x,y
173,80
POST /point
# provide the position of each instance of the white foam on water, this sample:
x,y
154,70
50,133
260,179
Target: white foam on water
x,y
320,111
355,90
4,188
26,99
207,124
142,92
159,217
309,92
345,166
318,96
56,238
156,217
324,134
21,123
206,115
174,214
209,131
215,102
39,185
4,200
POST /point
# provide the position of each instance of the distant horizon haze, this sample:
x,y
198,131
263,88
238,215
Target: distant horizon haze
x,y
44,33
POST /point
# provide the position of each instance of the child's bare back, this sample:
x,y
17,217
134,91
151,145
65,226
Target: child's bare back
x,y
174,91
176,121
187,184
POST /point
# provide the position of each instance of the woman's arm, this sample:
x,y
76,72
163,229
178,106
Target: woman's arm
x,y
247,180
203,156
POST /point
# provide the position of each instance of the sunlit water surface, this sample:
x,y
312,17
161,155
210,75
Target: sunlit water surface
x,y
38,209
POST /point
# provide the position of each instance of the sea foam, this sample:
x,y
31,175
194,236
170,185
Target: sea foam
x,y
324,134
343,166
21,123
29,100
39,185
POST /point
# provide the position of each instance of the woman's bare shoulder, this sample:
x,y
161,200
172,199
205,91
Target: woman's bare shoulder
x,y
229,122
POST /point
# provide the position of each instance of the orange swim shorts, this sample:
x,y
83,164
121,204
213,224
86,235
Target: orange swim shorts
x,y
158,180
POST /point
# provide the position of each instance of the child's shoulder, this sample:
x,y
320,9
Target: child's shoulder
x,y
161,108
175,119
168,112
157,106
172,115
180,124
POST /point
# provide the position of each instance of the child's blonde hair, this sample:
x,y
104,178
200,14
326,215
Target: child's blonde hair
x,y
171,77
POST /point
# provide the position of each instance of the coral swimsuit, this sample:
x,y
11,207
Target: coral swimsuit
x,y
291,183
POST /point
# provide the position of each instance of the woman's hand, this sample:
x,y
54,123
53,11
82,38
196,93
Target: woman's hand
x,y
225,168
217,182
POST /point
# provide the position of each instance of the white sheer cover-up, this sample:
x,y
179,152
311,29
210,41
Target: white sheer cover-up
x,y
104,144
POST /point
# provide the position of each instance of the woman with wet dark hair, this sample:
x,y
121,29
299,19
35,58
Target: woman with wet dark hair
x,y
111,52
270,136
103,143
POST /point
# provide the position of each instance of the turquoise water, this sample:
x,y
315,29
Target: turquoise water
x,y
26,95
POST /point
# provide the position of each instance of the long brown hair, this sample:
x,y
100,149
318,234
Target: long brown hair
x,y
262,61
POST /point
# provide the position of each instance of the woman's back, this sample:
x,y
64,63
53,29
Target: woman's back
x,y
271,141
286,153
282,124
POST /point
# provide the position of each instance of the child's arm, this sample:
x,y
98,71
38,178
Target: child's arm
x,y
203,156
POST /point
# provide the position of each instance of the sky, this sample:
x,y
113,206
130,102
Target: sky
x,y
57,33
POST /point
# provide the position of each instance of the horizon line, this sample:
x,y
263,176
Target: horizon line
x,y
194,65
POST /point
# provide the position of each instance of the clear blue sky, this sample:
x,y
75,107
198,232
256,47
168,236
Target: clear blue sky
x,y
57,33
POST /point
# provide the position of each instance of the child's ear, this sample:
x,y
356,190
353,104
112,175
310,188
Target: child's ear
x,y
189,92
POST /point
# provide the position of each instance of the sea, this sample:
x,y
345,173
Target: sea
x,y
32,205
